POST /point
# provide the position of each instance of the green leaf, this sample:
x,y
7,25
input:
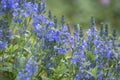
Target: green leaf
x,y
7,64
93,72
22,61
61,69
17,36
3,78
27,50
91,56
8,69
12,48
90,73
7,74
44,78
38,78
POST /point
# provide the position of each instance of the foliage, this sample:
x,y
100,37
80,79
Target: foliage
x,y
34,45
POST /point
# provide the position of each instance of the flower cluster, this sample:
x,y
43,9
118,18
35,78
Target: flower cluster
x,y
95,54
5,34
29,70
59,53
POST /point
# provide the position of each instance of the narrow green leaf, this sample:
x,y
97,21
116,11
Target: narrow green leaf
x,y
91,56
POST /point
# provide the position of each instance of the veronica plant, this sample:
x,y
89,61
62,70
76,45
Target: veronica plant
x,y
42,48
94,60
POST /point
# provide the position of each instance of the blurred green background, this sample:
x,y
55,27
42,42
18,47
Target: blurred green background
x,y
80,11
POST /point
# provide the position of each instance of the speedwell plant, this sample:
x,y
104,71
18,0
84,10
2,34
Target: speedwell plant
x,y
35,45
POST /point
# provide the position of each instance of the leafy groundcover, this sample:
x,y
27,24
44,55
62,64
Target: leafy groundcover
x,y
35,45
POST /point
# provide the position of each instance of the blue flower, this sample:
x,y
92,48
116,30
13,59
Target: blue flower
x,y
110,43
31,67
71,40
83,45
118,68
40,17
22,76
95,51
29,70
15,14
3,45
8,4
100,77
62,50
79,76
19,20
96,41
87,76
50,35
15,6
57,36
108,53
46,21
76,35
89,38
1,34
75,59
118,44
